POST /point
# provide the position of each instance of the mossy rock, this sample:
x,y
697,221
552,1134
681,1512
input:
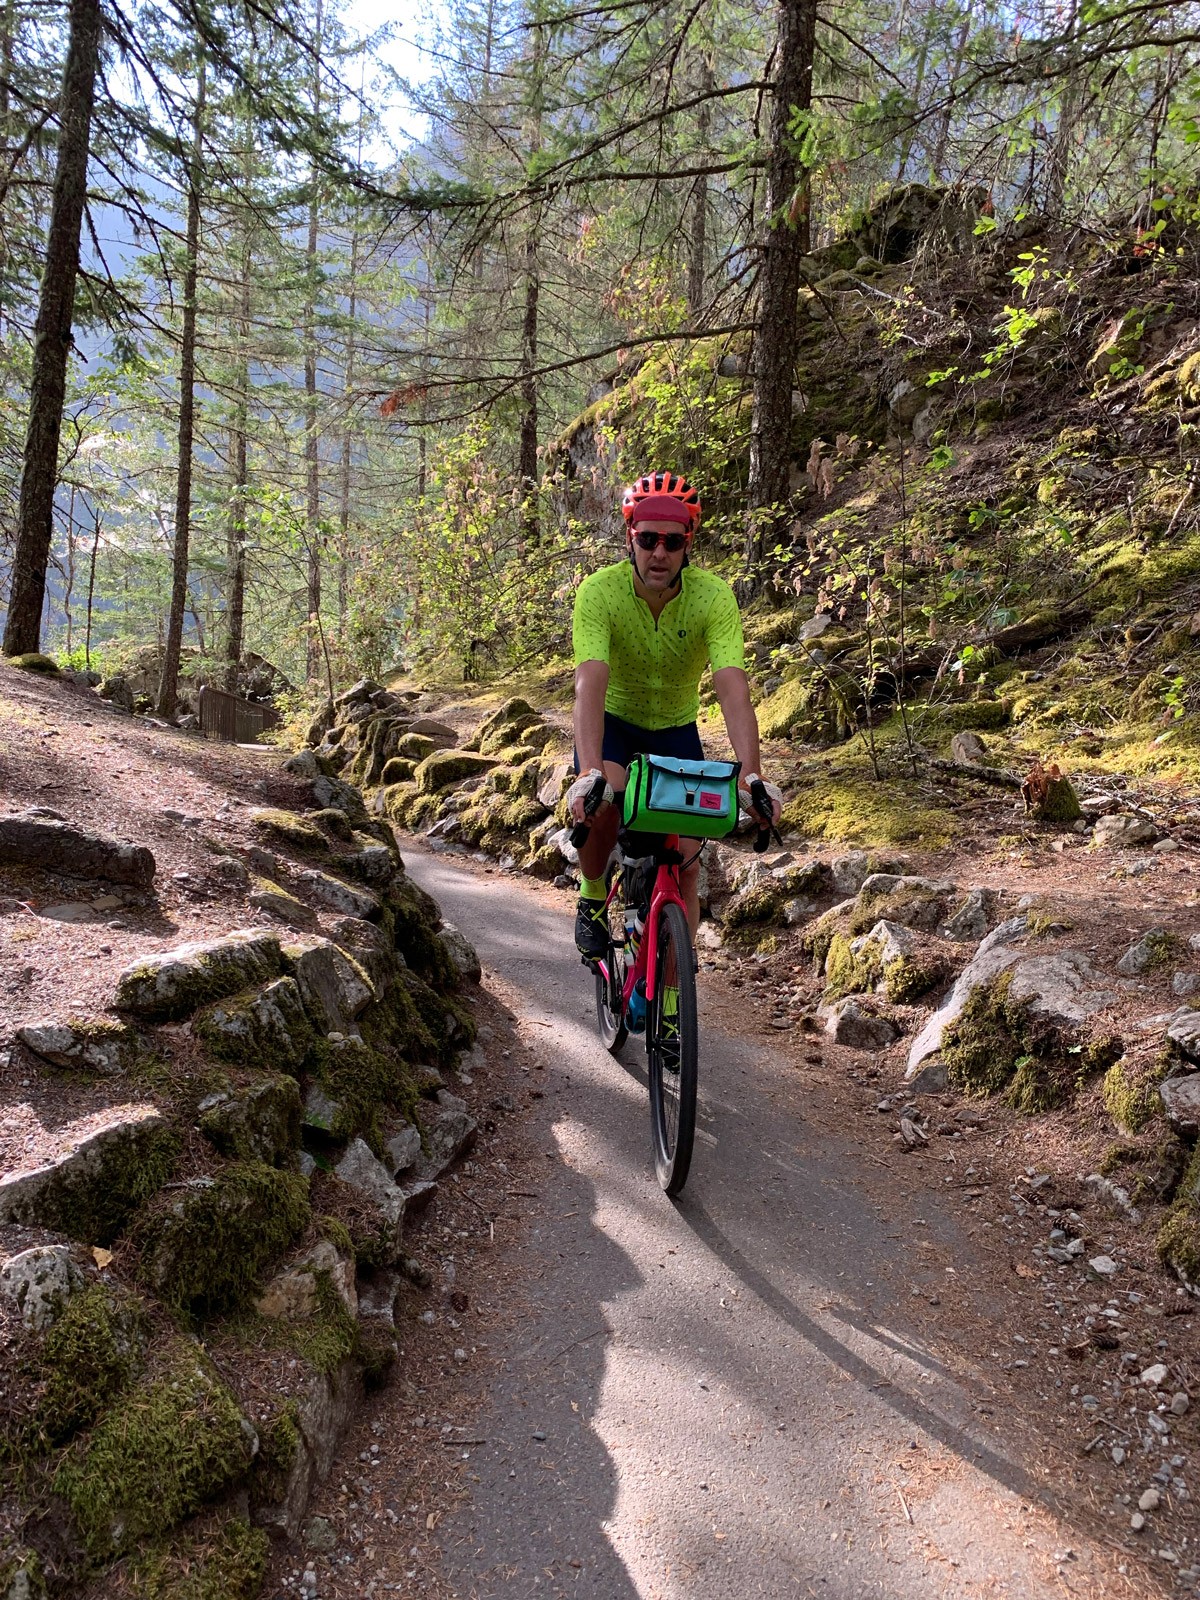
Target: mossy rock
x,y
223,1562
510,712
395,801
981,1047
415,919
511,734
398,770
499,781
175,982
847,972
781,711
91,1354
359,1082
163,1451
446,767
259,1123
262,1028
414,747
448,1022
859,811
288,828
762,903
819,935
1178,1241
906,978
93,1198
205,1249
279,1444
333,820
34,661
1131,1089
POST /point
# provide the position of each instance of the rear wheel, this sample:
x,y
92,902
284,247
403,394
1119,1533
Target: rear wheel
x,y
671,1048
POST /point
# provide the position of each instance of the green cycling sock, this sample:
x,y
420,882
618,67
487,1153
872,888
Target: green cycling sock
x,y
592,888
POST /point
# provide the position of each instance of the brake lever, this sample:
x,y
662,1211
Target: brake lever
x,y
761,802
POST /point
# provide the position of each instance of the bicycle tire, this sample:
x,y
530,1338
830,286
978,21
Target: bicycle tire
x,y
672,1052
610,1004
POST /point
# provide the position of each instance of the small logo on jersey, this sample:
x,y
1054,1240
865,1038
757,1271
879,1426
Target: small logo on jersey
x,y
709,801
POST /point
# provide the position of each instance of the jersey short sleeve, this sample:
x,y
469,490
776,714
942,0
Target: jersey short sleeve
x,y
591,622
723,631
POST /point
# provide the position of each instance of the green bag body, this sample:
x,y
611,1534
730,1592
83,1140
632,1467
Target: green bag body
x,y
697,799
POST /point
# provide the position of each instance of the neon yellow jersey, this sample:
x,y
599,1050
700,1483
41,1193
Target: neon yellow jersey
x,y
654,667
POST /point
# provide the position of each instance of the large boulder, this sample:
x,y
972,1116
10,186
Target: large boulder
x,y
95,1175
1061,988
1181,1104
344,898
1120,828
175,982
850,1024
55,846
38,1283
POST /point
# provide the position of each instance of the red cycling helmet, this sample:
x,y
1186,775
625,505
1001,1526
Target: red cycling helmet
x,y
673,484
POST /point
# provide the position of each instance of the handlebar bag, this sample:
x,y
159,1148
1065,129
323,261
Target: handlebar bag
x,y
698,799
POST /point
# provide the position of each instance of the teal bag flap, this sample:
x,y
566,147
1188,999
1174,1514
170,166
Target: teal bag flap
x,y
692,788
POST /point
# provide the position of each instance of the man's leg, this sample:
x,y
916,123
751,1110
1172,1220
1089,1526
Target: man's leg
x,y
689,882
591,936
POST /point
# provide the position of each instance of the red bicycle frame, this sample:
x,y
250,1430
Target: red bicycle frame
x,y
666,889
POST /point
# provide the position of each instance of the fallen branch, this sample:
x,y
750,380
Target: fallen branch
x,y
970,769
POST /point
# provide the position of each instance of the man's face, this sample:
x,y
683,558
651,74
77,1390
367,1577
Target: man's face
x,y
658,568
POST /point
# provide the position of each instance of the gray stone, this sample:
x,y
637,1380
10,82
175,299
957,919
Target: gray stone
x,y
1165,847
277,903
892,939
175,982
1112,1195
370,948
342,796
797,911
847,1023
1184,1030
343,898
58,847
968,747
1181,1104
88,1174
404,1148
1153,1377
292,1294
449,1130
39,1282
1145,953
320,1110
1103,1266
931,1079
440,732
920,901
972,918
551,791
70,911
461,952
366,1173
327,1407
373,862
1061,988
268,1027
815,626
302,765
1118,829
1184,983
333,985
89,1044
320,1535
848,873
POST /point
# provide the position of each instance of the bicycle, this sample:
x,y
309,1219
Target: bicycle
x,y
654,965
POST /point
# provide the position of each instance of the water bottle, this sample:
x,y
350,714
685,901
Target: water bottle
x,y
635,1011
633,932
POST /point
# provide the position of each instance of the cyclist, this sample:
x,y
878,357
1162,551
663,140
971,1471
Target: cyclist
x,y
643,632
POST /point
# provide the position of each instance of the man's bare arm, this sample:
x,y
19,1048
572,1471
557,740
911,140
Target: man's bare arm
x,y
591,685
741,723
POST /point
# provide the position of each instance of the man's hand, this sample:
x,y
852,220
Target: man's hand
x,y
580,791
774,794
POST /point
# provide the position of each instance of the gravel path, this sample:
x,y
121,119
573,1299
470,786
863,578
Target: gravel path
x,y
726,1398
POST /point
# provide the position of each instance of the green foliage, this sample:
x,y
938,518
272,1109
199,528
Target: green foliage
x,y
225,1563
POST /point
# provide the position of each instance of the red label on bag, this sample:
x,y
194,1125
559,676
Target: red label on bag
x,y
709,801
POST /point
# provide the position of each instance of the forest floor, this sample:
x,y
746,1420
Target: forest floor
x,y
1045,1345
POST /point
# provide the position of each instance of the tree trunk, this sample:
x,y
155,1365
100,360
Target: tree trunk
x,y
698,231
235,542
1059,159
168,688
527,465
785,242
52,333
312,458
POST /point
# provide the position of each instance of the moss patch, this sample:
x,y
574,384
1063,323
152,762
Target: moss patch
x,y
207,1248
982,1047
91,1353
858,811
278,1447
260,1123
445,767
161,1453
330,1335
264,1028
225,1562
130,1171
1131,1089
907,979
359,1082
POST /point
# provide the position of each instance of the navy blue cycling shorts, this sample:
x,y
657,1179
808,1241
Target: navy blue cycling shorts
x,y
624,740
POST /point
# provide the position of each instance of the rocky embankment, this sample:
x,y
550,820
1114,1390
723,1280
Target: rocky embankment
x,y
205,1184
984,988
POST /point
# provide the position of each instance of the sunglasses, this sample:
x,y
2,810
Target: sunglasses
x,y
674,542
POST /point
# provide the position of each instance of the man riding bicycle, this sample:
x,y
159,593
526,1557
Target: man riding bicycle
x,y
643,632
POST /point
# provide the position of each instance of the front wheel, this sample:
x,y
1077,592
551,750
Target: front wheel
x,y
610,1003
671,1048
